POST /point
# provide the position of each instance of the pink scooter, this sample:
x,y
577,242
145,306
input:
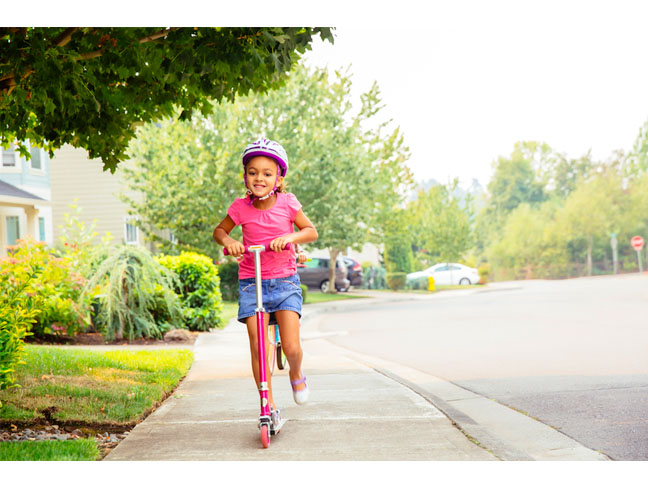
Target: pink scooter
x,y
265,420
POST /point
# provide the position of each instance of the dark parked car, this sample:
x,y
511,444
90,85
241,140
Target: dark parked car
x,y
354,271
315,274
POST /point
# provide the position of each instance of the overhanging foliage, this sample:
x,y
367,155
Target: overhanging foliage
x,y
91,87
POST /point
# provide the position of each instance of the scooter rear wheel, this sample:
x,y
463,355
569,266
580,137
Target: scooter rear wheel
x,y
272,339
281,357
265,436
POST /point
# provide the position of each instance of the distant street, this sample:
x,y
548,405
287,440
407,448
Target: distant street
x,y
570,353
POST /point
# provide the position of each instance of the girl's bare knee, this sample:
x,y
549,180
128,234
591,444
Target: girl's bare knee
x,y
291,350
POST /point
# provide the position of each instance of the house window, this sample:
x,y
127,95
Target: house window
x,y
36,158
131,231
9,156
41,228
13,229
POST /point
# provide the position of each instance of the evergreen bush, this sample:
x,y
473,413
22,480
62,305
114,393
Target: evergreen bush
x,y
398,256
373,277
130,284
199,290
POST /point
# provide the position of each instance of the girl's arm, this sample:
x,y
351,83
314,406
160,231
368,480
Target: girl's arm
x,y
222,237
306,234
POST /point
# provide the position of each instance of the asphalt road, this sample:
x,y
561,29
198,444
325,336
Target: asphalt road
x,y
571,353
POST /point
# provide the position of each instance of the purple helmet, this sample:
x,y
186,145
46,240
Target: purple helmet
x,y
267,148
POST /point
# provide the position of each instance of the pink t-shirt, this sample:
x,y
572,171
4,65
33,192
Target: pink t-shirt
x,y
260,227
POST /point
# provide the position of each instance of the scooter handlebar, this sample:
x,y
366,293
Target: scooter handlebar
x,y
266,248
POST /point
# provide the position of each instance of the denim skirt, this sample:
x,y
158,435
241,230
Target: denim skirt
x,y
278,294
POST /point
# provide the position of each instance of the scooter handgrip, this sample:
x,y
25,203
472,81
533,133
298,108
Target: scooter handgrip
x,y
267,248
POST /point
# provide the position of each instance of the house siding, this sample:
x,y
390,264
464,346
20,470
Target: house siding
x,y
23,177
75,176
35,182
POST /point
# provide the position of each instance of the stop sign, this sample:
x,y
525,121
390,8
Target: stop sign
x,y
637,242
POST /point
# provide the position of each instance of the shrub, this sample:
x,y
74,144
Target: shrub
x,y
199,290
396,280
16,317
55,291
484,272
129,285
420,283
304,290
229,282
373,277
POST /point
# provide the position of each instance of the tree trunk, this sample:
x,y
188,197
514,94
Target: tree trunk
x,y
334,252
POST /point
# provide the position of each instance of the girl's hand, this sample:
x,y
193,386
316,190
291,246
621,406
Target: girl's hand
x,y
301,257
235,248
278,244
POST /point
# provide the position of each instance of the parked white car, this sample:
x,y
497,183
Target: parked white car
x,y
448,274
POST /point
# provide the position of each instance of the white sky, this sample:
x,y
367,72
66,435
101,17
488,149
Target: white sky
x,y
464,79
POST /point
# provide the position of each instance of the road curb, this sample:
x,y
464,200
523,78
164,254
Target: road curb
x,y
506,433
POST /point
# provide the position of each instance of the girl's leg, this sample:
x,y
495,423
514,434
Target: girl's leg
x,y
290,343
251,323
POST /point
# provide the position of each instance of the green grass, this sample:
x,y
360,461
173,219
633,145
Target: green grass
x,y
317,297
80,385
230,309
50,450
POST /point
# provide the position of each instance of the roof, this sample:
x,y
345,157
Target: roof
x,y
7,189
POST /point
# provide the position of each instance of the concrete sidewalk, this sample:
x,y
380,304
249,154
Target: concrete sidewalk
x,y
361,408
354,413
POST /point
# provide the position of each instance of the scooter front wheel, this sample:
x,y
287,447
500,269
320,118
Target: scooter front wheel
x,y
265,436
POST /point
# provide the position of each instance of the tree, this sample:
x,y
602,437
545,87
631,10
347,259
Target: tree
x,y
397,240
346,168
593,211
515,181
527,245
637,162
441,223
91,87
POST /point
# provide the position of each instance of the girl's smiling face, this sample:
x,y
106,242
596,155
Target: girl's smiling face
x,y
261,175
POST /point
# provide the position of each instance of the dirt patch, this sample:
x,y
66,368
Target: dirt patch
x,y
97,339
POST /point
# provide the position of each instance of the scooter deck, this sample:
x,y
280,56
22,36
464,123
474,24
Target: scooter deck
x,y
276,430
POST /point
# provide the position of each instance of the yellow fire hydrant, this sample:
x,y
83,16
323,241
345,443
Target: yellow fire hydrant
x,y
431,284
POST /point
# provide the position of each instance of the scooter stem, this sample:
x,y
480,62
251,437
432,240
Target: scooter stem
x,y
261,332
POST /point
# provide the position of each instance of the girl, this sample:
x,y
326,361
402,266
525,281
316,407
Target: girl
x,y
266,216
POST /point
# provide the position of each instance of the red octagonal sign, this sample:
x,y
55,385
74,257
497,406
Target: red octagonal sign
x,y
637,242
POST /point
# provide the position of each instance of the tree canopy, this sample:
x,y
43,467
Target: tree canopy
x,y
346,166
91,87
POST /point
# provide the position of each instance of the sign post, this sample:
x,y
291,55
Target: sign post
x,y
637,243
615,259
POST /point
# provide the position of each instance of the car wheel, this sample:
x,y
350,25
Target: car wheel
x,y
324,286
464,281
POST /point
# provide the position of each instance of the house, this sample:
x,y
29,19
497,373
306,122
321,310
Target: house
x,y
25,195
76,179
